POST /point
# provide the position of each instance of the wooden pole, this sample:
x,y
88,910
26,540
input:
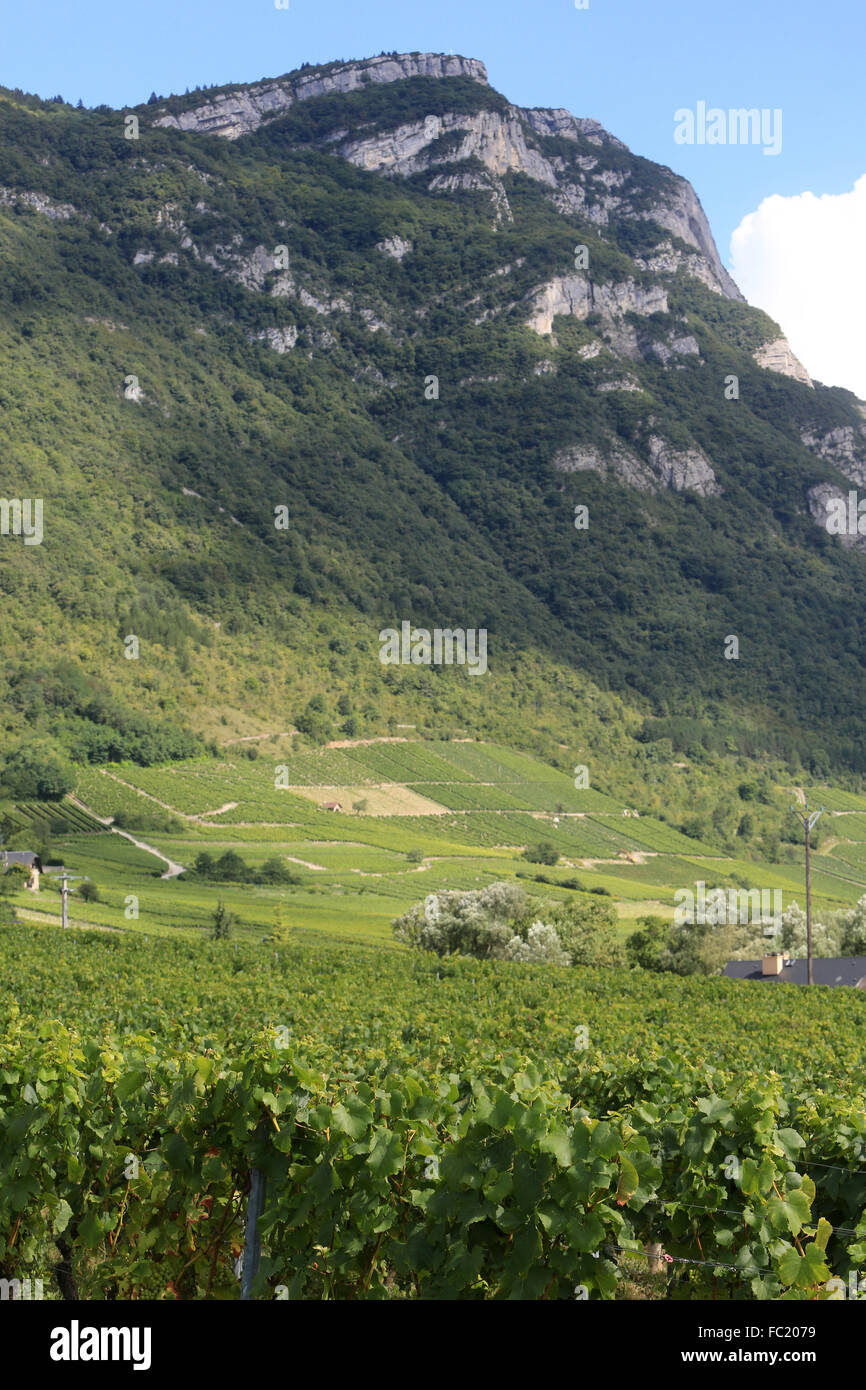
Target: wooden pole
x,y
252,1240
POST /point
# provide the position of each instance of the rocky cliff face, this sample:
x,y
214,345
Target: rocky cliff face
x,y
827,504
9,197
778,357
577,296
242,110
499,142
682,214
681,470
504,142
592,182
845,447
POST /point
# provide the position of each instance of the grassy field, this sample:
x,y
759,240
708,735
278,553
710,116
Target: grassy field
x,y
357,869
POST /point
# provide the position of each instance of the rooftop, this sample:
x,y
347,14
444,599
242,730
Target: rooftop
x,y
829,970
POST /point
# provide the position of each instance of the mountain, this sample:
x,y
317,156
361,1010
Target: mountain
x,y
292,362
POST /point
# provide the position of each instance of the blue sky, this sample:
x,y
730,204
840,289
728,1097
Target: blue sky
x,y
630,63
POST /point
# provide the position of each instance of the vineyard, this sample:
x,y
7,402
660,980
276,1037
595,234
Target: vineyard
x,y
68,818
424,1129
355,870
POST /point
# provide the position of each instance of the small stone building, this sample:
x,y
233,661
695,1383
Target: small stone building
x,y
23,859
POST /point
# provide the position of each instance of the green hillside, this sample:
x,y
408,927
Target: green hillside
x,y
124,258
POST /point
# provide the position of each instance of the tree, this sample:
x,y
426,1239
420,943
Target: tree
x,y
152,98
502,922
280,933
89,891
543,853
643,948
231,868
314,720
586,929
853,924
684,952
223,922
274,871
37,771
827,936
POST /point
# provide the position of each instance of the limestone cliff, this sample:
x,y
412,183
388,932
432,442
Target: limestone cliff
x,y
681,470
778,357
505,141
243,109
577,296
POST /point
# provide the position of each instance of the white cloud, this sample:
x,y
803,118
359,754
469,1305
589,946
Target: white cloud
x,y
801,260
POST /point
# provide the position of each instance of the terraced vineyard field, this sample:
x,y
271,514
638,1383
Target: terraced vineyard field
x,y
496,802
27,815
834,799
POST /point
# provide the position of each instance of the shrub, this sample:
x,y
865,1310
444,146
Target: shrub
x,y
541,947
479,923
146,819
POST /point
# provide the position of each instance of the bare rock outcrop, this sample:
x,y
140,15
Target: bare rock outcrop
x,y
844,447
498,141
826,504
39,202
681,470
680,212
578,296
280,339
472,179
778,357
395,247
242,110
558,121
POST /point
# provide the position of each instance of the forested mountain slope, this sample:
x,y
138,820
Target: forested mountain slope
x,y
431,325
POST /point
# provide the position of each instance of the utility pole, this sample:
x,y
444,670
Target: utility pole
x,y
64,894
808,820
